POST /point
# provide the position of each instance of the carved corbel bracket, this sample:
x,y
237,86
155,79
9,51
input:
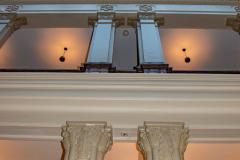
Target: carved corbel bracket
x,y
234,23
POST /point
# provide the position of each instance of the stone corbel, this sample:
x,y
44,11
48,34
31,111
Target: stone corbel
x,y
10,23
159,141
234,23
86,140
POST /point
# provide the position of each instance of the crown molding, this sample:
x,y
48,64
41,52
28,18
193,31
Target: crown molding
x,y
197,2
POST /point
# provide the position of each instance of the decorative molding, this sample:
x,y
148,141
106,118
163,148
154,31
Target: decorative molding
x,y
168,139
108,16
145,8
83,140
194,2
234,23
12,8
17,23
237,9
106,7
8,16
147,16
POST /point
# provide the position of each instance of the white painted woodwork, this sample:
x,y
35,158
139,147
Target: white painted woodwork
x,y
76,15
34,106
101,49
5,32
150,43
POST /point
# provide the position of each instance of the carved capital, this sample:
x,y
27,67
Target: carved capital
x,y
8,16
106,16
143,142
170,139
81,137
146,15
234,23
106,141
136,22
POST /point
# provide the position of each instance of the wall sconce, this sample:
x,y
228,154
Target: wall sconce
x,y
187,59
62,58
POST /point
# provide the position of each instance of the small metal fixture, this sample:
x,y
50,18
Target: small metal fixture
x,y
62,58
124,134
125,33
187,59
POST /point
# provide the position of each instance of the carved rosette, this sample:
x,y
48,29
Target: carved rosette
x,y
106,7
170,139
12,8
145,8
81,137
234,23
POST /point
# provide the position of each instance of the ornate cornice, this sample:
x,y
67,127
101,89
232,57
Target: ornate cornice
x,y
196,2
234,23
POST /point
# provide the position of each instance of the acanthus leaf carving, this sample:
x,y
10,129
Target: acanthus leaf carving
x,y
169,139
82,138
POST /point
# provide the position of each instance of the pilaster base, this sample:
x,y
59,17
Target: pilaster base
x,y
98,67
153,68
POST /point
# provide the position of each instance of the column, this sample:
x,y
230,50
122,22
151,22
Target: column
x,y
150,53
9,22
162,141
86,140
234,23
101,48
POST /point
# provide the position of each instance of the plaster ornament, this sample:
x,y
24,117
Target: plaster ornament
x,y
163,140
12,8
234,23
84,141
145,8
237,9
106,7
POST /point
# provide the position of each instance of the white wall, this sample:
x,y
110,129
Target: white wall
x,y
41,48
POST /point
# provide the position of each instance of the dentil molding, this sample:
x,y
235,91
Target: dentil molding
x,y
200,2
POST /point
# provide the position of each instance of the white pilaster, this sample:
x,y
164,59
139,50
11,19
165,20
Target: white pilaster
x,y
162,141
101,49
86,140
8,24
150,53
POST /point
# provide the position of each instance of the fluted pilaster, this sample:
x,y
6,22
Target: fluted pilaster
x,y
163,141
86,140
